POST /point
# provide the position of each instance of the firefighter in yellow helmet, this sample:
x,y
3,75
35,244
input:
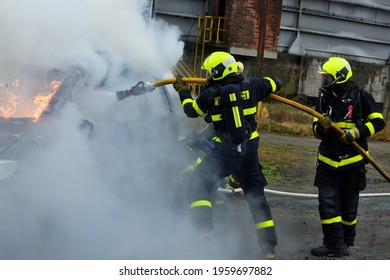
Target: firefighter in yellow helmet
x,y
341,172
230,102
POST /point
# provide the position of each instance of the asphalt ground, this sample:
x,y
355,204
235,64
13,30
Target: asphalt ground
x,y
295,209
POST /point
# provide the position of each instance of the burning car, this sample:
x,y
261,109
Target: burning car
x,y
72,180
29,104
26,103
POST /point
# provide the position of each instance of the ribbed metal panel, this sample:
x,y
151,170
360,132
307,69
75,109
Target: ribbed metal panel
x,y
356,29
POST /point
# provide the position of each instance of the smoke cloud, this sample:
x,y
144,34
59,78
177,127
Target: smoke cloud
x,y
111,193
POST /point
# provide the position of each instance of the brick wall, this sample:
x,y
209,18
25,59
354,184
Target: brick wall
x,y
273,25
243,22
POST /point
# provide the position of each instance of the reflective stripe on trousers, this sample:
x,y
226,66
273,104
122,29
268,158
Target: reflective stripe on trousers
x,y
338,197
220,164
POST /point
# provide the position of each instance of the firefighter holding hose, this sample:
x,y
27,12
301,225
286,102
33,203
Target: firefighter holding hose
x,y
229,101
341,172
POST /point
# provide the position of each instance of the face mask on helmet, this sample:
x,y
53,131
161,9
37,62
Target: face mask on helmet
x,y
337,68
327,80
219,65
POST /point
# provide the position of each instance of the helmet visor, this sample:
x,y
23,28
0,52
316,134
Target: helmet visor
x,y
326,80
208,75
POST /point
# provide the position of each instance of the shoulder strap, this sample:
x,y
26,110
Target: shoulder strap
x,y
358,91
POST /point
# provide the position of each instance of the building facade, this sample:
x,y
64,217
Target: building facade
x,y
292,36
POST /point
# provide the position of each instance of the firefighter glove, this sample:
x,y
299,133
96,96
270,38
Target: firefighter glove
x,y
180,85
350,135
325,122
232,184
229,187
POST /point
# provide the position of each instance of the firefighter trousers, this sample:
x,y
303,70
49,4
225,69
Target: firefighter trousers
x,y
338,197
220,163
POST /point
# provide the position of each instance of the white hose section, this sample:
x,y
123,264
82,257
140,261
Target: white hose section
x,y
299,194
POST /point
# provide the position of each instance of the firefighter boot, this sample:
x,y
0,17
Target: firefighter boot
x,y
268,253
346,250
269,256
324,251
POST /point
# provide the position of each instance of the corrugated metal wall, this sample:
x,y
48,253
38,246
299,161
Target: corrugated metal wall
x,y
359,30
183,13
356,29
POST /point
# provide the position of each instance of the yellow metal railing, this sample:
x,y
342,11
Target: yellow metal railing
x,y
210,31
182,69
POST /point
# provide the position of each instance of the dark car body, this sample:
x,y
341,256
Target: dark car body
x,y
21,137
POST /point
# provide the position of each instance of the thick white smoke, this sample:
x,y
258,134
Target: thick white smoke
x,y
112,194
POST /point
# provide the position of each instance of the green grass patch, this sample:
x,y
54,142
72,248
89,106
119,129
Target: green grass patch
x,y
276,159
273,172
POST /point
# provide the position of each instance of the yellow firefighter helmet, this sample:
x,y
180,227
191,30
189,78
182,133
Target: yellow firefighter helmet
x,y
336,67
220,64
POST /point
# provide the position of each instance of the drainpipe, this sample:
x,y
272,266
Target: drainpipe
x,y
386,97
262,12
151,9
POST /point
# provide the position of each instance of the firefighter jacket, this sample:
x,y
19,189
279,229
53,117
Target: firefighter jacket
x,y
348,107
252,90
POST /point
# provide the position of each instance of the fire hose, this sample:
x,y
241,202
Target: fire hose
x,y
338,130
151,85
294,194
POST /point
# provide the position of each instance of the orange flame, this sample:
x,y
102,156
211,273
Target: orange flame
x,y
11,105
41,101
16,83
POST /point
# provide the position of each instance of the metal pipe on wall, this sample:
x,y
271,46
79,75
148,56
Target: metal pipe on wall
x,y
263,11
